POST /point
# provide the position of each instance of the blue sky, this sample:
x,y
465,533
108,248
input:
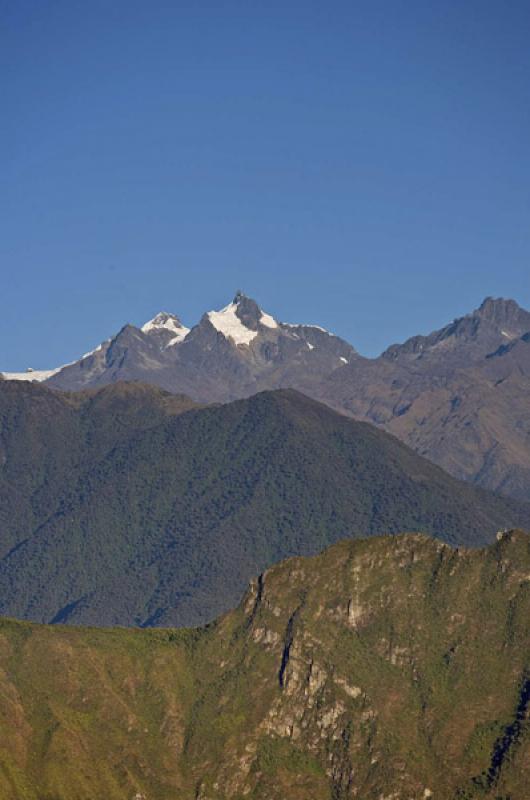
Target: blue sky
x,y
361,165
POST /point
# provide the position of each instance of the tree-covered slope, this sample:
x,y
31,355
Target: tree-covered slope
x,y
122,507
392,667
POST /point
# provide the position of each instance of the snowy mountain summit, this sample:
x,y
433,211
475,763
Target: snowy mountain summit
x,y
167,327
232,352
241,320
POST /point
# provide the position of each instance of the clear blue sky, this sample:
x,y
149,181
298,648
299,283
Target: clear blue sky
x,y
362,165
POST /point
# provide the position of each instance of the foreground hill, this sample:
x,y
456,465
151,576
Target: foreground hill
x,y
392,667
130,506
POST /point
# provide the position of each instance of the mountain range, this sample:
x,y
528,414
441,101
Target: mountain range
x,y
392,667
457,396
146,484
229,354
133,506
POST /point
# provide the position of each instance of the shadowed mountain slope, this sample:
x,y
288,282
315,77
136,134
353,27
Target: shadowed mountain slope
x,y
391,667
130,506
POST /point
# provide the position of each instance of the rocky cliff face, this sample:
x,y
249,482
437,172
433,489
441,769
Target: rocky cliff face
x,y
394,667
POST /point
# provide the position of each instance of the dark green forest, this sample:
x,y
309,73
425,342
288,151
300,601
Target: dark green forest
x,y
130,506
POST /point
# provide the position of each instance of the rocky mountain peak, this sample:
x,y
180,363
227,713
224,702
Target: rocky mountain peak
x,y
241,320
494,307
126,337
511,320
169,325
250,313
247,310
127,331
161,320
472,336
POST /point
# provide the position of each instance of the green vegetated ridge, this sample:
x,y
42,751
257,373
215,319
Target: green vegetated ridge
x,y
130,506
127,505
393,667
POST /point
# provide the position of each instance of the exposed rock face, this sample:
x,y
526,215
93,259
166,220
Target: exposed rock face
x,y
458,396
425,695
468,339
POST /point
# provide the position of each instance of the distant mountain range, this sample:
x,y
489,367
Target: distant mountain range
x,y
229,354
458,396
129,505
394,667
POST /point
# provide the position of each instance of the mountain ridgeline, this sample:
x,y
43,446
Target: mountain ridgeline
x,y
229,354
129,505
457,396
391,667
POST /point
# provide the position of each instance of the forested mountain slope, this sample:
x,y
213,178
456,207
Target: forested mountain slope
x,y
131,506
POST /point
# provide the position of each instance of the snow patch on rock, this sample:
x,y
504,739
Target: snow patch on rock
x,y
95,350
168,322
267,320
303,325
31,374
228,323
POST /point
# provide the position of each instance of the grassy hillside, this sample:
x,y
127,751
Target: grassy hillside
x,y
130,506
388,667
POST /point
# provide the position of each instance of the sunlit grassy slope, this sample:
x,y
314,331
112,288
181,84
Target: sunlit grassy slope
x,y
387,667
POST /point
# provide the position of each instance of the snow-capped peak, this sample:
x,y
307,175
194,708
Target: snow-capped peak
x,y
228,323
168,322
249,309
233,320
30,374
